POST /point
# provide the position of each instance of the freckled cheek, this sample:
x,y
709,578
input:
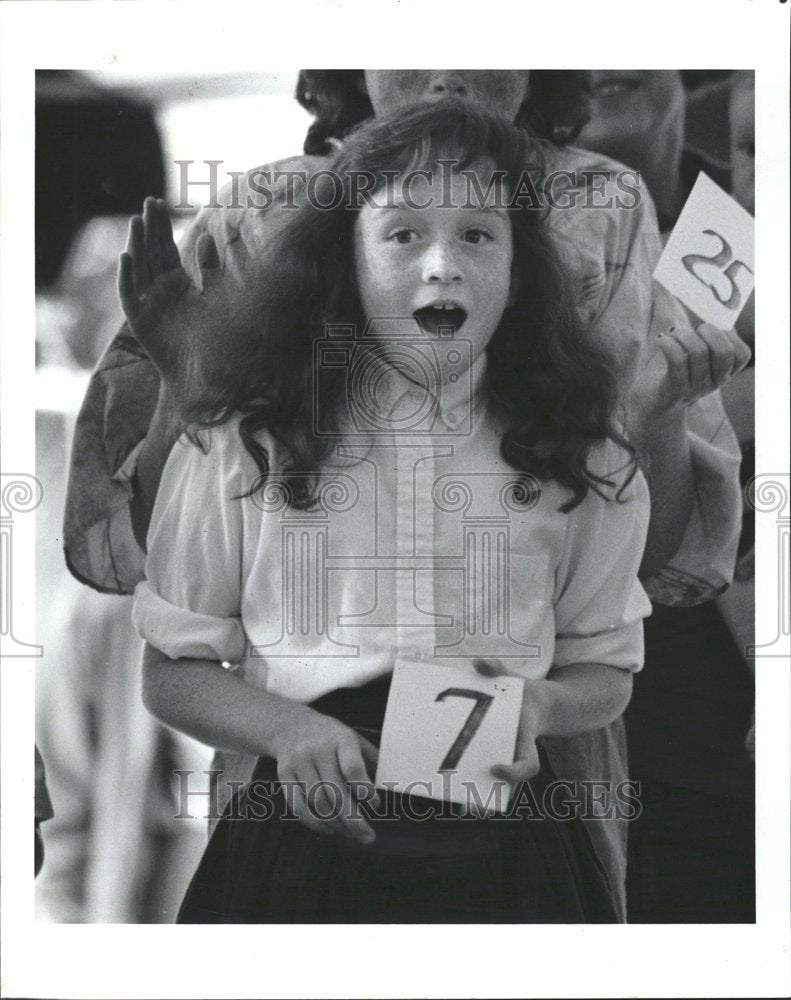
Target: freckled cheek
x,y
378,289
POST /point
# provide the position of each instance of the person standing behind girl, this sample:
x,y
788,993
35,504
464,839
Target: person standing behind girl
x,y
522,396
125,429
610,247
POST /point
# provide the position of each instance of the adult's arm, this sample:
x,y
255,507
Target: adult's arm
x,y
110,493
611,244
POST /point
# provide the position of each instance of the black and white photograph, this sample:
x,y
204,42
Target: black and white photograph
x,y
395,501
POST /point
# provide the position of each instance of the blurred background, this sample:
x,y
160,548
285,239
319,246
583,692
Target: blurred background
x,y
104,141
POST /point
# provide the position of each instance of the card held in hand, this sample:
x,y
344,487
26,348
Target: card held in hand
x,y
709,260
444,729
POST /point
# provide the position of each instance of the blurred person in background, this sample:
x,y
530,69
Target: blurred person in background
x,y
112,853
42,809
692,850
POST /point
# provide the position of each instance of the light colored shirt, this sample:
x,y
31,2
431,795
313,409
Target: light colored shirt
x,y
418,549
610,253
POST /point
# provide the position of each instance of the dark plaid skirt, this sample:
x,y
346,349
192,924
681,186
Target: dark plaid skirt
x,y
428,864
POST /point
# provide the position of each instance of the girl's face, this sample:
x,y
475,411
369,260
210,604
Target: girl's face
x,y
498,92
446,265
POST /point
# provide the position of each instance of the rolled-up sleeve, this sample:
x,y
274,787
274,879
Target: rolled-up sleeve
x,y
189,606
599,601
179,632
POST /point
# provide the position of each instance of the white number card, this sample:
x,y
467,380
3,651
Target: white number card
x,y
709,260
443,730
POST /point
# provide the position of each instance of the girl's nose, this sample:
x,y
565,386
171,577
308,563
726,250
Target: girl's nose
x,y
441,265
447,83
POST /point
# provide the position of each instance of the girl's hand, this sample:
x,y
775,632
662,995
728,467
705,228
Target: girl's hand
x,y
327,765
526,764
686,365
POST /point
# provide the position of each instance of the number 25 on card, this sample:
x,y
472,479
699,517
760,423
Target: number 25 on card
x,y
444,728
709,260
723,261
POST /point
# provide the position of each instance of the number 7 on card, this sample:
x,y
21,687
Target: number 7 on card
x,y
444,729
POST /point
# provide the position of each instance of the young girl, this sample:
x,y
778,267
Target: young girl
x,y
413,377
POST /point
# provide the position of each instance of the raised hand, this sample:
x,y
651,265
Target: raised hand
x,y
152,285
166,311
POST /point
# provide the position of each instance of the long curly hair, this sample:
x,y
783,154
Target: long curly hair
x,y
550,383
557,106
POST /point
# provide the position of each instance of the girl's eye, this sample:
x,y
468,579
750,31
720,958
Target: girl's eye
x,y
403,236
476,235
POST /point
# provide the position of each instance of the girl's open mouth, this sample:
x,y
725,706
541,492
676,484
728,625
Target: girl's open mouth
x,y
438,320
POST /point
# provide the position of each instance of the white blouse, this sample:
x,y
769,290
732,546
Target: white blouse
x,y
418,549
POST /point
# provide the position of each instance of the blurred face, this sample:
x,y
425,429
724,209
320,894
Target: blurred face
x,y
437,267
742,123
637,117
499,92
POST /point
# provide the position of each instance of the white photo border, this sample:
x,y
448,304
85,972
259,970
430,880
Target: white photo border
x,y
211,961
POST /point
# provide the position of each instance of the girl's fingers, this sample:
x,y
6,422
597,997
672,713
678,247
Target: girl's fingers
x,y
168,248
300,798
151,237
322,800
207,259
335,799
135,247
523,769
126,287
355,771
370,755
520,770
330,801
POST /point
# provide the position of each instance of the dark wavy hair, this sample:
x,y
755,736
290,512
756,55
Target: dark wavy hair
x,y
552,386
557,106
